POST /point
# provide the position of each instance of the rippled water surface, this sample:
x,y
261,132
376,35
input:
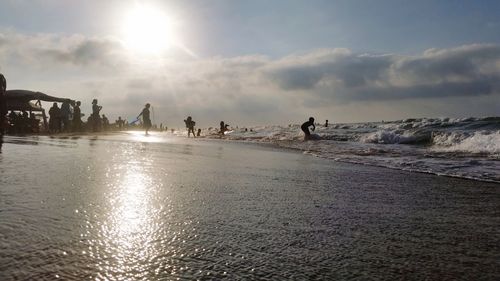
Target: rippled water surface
x,y
129,207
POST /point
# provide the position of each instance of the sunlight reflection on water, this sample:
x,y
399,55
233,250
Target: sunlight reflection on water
x,y
140,136
130,228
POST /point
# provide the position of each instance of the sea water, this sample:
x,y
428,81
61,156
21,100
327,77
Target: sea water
x,y
128,207
467,147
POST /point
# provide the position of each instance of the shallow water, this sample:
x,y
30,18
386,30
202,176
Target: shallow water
x,y
125,206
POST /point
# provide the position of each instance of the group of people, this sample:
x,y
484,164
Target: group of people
x,y
60,118
63,119
190,123
21,123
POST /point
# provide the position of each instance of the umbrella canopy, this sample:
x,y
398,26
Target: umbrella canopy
x,y
26,95
22,105
20,100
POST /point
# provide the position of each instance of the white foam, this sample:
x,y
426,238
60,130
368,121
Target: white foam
x,y
477,142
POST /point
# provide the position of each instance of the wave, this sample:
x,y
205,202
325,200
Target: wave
x,y
398,137
466,147
481,142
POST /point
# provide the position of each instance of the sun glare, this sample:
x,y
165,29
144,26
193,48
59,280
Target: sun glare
x,y
147,30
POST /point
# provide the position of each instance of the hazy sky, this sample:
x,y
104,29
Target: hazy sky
x,y
261,62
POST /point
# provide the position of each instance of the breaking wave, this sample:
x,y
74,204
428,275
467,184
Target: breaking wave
x,y
467,147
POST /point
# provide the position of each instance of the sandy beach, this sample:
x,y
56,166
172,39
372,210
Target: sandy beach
x,y
124,206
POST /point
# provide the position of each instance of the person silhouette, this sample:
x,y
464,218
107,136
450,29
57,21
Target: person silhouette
x,y
190,125
120,122
96,118
222,128
65,114
55,119
3,103
146,121
77,117
305,128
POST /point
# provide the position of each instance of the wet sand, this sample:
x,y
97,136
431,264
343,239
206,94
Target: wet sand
x,y
124,206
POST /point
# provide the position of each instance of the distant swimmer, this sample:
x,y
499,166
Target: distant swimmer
x,y
326,123
145,117
305,128
222,128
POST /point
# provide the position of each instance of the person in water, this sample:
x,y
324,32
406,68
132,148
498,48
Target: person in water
x,y
146,121
326,123
305,128
223,128
198,133
190,126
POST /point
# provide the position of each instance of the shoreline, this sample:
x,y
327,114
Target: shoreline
x,y
274,145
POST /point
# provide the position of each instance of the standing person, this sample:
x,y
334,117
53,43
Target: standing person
x,y
120,123
146,121
305,128
96,119
3,103
190,126
55,119
326,123
65,113
77,117
105,122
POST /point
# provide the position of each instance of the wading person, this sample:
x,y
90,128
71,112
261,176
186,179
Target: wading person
x,y
305,128
146,121
190,126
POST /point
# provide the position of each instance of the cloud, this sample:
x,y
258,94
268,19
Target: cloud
x,y
252,87
87,51
56,51
468,70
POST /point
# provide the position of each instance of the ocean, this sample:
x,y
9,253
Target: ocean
x,y
123,206
466,148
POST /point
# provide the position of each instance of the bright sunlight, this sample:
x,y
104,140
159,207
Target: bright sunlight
x,y
147,30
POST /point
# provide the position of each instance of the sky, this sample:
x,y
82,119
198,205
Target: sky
x,y
258,62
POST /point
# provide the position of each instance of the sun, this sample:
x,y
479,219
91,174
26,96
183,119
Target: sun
x,y
147,30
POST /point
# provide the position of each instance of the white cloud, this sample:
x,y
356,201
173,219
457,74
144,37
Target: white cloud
x,y
254,88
